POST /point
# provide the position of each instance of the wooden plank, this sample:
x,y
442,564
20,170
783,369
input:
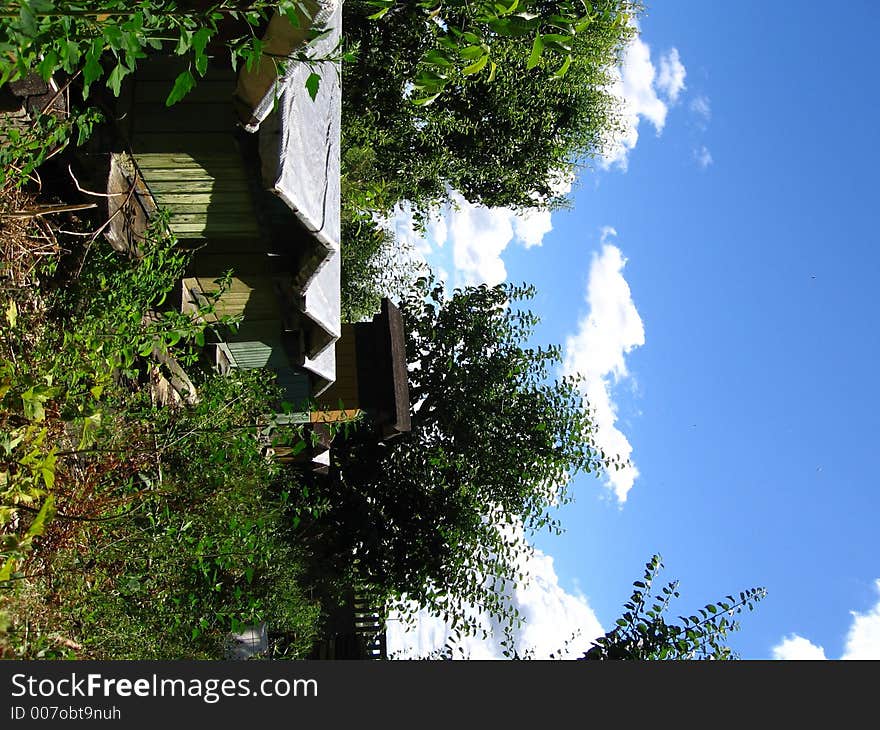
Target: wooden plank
x,y
176,197
267,331
201,118
224,175
183,187
185,161
337,416
207,264
231,208
216,221
251,284
219,245
190,143
201,231
167,67
250,310
156,91
194,174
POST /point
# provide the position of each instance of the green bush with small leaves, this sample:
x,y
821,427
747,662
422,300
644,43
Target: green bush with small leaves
x,y
643,633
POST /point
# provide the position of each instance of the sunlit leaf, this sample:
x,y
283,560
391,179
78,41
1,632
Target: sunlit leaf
x,y
183,84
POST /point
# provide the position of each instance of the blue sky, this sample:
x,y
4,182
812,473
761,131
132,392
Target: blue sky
x,y
716,281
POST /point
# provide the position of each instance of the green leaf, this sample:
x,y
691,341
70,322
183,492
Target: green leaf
x,y
312,84
437,58
12,313
184,42
582,24
47,470
199,41
27,19
42,6
183,84
6,571
537,50
377,16
559,38
290,11
252,54
71,55
92,69
47,66
470,53
113,37
32,406
114,80
425,101
475,67
298,447
563,69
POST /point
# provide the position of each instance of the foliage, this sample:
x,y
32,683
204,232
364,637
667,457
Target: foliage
x,y
205,552
466,30
61,359
24,149
432,515
643,632
51,36
190,551
87,42
375,264
129,529
505,134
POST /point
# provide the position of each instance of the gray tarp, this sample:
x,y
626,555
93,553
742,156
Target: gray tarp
x,y
299,150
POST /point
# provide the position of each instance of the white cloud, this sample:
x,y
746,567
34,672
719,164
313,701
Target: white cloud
x,y
611,330
797,647
470,240
551,617
633,84
703,156
702,108
862,639
531,227
479,235
636,83
438,230
403,225
670,80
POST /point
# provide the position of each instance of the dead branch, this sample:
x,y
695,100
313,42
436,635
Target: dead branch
x,y
49,210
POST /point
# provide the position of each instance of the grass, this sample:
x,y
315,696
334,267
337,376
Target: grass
x,y
130,530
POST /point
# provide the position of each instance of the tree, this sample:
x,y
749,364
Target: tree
x,y
375,264
81,44
432,514
81,38
463,96
643,633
